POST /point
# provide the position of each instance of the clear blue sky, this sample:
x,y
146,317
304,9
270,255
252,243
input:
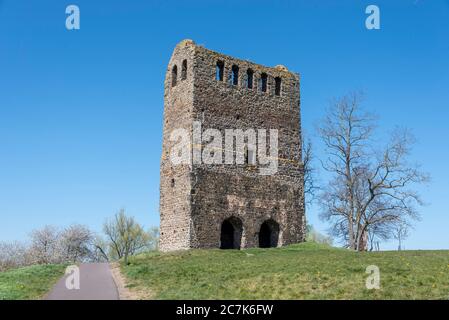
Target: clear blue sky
x,y
81,111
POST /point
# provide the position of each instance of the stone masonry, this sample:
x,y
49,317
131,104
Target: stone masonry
x,y
230,206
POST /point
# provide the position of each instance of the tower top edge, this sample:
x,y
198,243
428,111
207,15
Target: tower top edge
x,y
190,43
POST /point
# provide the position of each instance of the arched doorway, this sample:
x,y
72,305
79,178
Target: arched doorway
x,y
231,233
269,234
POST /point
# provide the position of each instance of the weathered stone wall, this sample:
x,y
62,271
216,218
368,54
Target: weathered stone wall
x,y
175,181
203,196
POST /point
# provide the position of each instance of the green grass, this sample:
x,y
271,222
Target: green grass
x,y
303,271
29,282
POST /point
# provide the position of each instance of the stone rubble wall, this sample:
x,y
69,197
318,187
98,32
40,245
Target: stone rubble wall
x,y
203,196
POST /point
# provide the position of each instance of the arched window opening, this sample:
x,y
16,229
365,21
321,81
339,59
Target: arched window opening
x,y
269,234
235,75
263,82
219,71
231,233
184,70
249,78
277,89
174,75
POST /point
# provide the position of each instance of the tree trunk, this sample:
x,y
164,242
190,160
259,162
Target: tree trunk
x,y
362,239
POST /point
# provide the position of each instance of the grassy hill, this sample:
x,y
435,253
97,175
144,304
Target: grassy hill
x,y
29,282
303,271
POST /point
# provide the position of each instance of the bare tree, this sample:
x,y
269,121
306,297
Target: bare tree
x,y
400,233
100,249
126,236
378,232
75,243
369,188
310,186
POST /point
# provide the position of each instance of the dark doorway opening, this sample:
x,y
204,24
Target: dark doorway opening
x,y
231,233
269,234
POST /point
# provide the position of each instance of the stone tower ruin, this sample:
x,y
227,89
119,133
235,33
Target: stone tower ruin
x,y
229,205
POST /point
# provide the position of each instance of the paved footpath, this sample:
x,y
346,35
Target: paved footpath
x,y
96,283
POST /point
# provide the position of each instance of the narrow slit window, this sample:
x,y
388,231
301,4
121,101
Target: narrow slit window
x,y
235,75
263,82
219,71
184,70
174,75
249,78
277,89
